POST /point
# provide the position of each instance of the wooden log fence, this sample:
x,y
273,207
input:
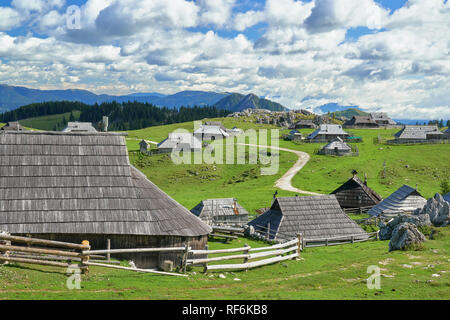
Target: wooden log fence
x,y
69,254
278,253
334,241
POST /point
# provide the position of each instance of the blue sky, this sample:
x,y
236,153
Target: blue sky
x,y
382,55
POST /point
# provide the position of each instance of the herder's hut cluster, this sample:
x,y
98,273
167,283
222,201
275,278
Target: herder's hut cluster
x,y
181,142
12,126
80,186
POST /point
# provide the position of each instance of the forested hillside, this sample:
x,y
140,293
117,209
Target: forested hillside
x,y
122,116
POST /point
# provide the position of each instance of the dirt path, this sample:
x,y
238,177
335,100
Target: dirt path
x,y
285,182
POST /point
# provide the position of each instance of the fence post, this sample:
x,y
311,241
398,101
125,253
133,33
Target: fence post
x,y
353,239
185,257
326,242
268,231
377,235
205,266
299,244
108,247
84,267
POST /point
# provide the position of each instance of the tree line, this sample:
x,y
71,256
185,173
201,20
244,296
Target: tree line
x,y
122,116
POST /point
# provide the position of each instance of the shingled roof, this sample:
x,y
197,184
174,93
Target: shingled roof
x,y
417,132
447,197
79,127
363,121
356,194
81,183
337,144
220,210
405,199
315,217
12,126
328,129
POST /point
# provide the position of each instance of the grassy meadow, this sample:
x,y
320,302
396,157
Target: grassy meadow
x,y
48,123
338,272
423,165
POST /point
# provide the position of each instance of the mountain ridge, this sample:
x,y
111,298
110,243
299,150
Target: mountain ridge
x,y
13,97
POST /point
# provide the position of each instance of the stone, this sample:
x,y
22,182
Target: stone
x,y
222,276
167,266
386,229
437,209
404,235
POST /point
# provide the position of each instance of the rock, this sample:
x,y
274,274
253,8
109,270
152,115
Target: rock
x,y
437,209
222,276
404,235
435,275
237,279
387,229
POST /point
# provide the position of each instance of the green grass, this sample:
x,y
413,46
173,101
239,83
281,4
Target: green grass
x,y
417,164
337,272
48,123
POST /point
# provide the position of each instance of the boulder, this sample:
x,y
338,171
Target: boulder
x,y
386,229
437,209
404,235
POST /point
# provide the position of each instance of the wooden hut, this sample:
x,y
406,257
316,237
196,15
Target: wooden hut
x,y
79,127
404,200
382,119
12,126
337,147
77,186
356,194
208,133
418,133
316,217
328,133
304,124
180,141
361,122
221,212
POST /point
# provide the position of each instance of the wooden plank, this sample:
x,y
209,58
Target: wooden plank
x,y
251,265
271,253
43,242
202,261
40,251
277,246
222,236
138,250
218,251
133,269
34,261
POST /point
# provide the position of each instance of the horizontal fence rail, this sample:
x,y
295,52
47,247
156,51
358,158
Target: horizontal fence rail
x,y
280,252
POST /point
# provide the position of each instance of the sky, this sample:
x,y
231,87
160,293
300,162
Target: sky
x,y
381,55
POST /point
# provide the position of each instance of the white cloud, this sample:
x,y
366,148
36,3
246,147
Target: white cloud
x,y
9,18
302,59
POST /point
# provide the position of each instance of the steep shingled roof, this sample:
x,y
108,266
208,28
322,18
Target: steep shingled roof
x,y
417,132
354,194
207,209
339,144
328,129
405,199
81,183
315,217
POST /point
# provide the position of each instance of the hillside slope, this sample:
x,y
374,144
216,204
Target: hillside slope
x,y
237,102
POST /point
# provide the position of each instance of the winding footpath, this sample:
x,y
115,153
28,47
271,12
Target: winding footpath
x,y
285,182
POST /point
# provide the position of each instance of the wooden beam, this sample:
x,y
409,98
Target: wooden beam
x,y
138,250
43,242
34,261
133,269
40,251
